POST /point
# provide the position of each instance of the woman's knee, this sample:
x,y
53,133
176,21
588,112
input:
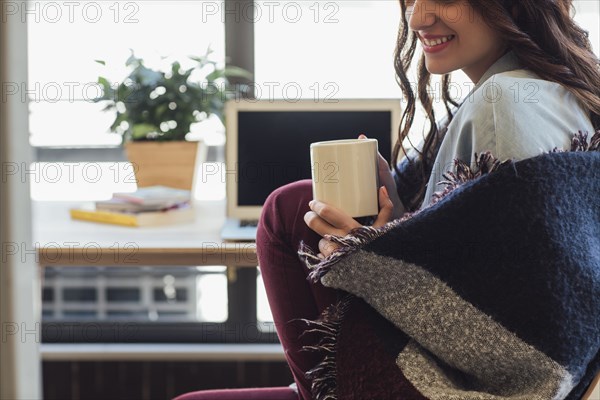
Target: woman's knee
x,y
291,193
281,226
285,206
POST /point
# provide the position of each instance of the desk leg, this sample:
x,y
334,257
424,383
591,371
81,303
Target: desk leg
x,y
232,274
241,286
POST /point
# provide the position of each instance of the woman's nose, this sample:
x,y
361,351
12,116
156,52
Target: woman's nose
x,y
422,14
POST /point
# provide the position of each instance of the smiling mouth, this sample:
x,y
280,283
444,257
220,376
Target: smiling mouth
x,y
438,41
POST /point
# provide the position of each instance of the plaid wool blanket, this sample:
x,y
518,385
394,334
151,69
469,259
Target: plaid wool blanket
x,y
492,292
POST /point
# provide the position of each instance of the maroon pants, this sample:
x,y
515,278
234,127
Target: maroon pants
x,y
291,296
283,393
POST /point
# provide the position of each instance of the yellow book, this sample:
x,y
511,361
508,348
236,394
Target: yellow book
x,y
179,215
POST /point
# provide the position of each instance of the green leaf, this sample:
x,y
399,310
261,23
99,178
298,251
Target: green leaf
x,y
161,110
133,60
105,84
237,72
100,62
229,72
149,77
140,131
200,60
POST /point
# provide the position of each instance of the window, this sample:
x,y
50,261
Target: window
x,y
66,37
64,40
326,49
587,13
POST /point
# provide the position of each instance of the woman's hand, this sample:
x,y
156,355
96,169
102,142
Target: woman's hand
x,y
329,220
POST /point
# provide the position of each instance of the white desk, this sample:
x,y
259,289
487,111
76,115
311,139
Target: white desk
x,y
66,242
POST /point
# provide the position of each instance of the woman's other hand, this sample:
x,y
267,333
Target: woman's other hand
x,y
386,179
329,220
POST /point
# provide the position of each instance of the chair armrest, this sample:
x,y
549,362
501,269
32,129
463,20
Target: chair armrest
x,y
595,385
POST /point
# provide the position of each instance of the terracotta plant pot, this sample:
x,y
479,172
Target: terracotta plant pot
x,y
164,163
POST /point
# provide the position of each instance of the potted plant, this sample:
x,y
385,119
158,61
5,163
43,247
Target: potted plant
x,y
155,109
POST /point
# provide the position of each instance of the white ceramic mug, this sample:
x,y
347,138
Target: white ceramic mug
x,y
344,175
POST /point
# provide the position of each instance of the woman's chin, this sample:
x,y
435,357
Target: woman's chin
x,y
436,68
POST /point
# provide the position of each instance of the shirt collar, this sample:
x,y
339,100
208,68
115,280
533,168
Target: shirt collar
x,y
508,62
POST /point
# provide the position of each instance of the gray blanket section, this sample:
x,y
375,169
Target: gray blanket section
x,y
437,382
468,355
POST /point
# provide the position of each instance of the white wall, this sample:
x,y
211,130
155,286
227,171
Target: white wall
x,y
19,292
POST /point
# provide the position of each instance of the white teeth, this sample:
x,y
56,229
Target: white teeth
x,y
437,42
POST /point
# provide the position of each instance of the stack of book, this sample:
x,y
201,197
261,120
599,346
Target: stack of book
x,y
148,206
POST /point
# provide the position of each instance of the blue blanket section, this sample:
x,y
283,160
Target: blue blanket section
x,y
520,244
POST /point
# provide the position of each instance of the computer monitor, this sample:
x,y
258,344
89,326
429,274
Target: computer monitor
x,y
268,142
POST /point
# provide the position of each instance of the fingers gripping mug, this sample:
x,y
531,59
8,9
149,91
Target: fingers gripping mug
x,y
344,175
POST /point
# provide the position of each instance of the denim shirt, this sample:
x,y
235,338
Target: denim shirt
x,y
512,113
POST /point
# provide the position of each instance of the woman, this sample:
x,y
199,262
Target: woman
x,y
536,80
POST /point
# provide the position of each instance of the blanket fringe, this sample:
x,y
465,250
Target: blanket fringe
x,y
579,142
356,239
323,377
485,163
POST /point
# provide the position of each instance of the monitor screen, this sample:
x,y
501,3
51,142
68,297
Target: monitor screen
x,y
274,146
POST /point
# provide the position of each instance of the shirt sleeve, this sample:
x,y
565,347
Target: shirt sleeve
x,y
514,115
521,117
